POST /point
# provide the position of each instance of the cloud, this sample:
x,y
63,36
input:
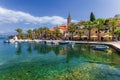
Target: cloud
x,y
12,16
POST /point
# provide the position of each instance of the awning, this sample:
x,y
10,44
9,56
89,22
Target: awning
x,y
107,36
84,36
76,36
94,36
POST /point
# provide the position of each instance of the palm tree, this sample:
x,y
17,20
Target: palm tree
x,y
45,30
30,33
49,34
89,25
40,30
117,31
57,33
72,29
99,24
35,32
19,31
80,33
113,24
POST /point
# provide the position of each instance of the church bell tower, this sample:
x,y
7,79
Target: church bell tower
x,y
68,20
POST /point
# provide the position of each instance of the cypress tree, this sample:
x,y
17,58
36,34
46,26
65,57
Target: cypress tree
x,y
92,17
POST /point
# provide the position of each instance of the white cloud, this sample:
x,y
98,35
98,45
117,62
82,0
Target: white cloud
x,y
11,16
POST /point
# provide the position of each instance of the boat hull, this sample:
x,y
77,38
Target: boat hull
x,y
101,48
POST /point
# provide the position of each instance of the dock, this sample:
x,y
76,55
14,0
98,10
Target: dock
x,y
114,44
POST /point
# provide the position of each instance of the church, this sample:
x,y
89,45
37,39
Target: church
x,y
64,27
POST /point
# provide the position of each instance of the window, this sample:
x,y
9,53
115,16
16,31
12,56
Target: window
x,y
76,27
76,32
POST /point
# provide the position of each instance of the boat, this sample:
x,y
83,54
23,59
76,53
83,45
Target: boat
x,y
55,43
49,42
72,43
100,48
6,41
63,42
42,42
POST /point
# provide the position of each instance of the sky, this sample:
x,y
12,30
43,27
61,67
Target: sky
x,y
30,14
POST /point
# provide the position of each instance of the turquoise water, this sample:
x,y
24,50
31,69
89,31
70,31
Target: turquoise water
x,y
34,61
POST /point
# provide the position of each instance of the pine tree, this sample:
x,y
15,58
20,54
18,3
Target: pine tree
x,y
92,17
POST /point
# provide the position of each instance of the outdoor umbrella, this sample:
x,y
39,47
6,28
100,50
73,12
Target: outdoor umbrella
x,y
107,36
84,36
94,36
76,36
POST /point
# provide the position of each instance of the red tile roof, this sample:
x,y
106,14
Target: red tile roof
x,y
63,27
52,29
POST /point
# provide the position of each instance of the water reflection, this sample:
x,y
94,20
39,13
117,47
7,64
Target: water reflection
x,y
29,49
19,48
36,61
79,51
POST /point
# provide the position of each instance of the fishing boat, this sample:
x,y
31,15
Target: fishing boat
x,y
100,47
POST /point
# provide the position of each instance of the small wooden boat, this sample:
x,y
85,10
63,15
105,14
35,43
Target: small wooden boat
x,y
101,48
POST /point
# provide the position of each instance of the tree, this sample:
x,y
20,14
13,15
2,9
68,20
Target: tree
x,y
99,24
35,32
92,17
30,33
72,29
80,33
113,24
19,31
40,30
89,25
44,31
57,33
50,34
117,31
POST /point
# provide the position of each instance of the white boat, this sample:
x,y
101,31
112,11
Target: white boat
x,y
42,42
6,41
49,42
72,43
56,43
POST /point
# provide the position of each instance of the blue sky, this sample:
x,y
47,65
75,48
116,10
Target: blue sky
x,y
29,14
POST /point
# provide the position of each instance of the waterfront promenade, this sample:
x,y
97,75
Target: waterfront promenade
x,y
115,44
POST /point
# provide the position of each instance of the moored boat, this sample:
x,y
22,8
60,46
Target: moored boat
x,y
55,43
100,47
63,42
42,42
49,42
6,41
72,43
